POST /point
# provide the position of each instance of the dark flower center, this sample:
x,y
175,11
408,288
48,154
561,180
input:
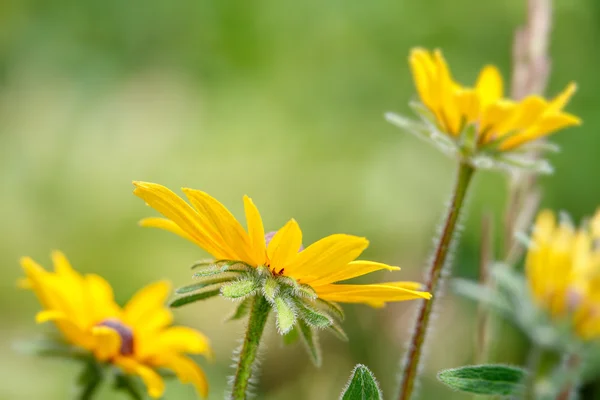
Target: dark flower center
x,y
125,332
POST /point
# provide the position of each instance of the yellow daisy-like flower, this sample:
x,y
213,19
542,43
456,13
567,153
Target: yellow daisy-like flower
x,y
137,338
477,121
563,272
321,265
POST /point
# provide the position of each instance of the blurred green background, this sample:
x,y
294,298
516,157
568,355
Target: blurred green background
x,y
279,100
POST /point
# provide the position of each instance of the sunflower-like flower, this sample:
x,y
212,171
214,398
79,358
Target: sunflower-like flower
x,y
478,123
563,272
294,280
136,339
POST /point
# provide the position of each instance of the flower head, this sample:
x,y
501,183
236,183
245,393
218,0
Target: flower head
x,y
137,338
563,272
298,282
478,123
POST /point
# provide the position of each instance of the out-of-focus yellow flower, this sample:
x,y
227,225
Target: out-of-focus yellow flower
x,y
501,122
563,272
332,259
137,338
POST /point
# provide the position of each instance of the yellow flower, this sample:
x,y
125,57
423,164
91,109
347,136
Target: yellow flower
x,y
506,124
137,338
563,272
332,259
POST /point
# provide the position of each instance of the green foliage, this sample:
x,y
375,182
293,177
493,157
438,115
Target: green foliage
x,y
362,385
191,298
242,309
311,342
89,380
202,284
129,385
492,380
285,315
312,316
291,337
240,288
270,289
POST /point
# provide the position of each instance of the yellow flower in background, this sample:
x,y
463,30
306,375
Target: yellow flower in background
x,y
563,272
137,338
321,265
505,123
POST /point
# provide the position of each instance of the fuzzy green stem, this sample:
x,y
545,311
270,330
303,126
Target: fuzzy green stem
x,y
415,350
256,325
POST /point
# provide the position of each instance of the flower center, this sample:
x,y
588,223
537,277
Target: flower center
x,y
125,332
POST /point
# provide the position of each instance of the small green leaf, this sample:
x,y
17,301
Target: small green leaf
x,y
333,308
239,288
126,384
305,290
311,316
338,331
89,380
286,318
311,341
493,380
362,385
191,298
291,337
202,284
270,289
241,310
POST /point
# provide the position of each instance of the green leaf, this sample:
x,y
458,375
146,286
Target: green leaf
x,y
491,379
333,308
240,288
241,310
305,290
126,384
311,316
89,380
270,289
202,284
362,385
191,298
311,341
221,267
338,331
286,318
291,337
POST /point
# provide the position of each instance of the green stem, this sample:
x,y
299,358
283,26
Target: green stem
x,y
572,370
89,380
256,325
533,368
415,349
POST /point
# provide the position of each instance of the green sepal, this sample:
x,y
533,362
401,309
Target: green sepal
x,y
202,284
89,379
311,341
221,267
311,316
305,290
490,379
362,385
270,289
240,288
291,337
242,309
126,384
191,298
285,315
338,331
333,308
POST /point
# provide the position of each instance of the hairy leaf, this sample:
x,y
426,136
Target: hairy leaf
x,y
241,310
362,385
191,298
311,340
239,288
286,317
493,380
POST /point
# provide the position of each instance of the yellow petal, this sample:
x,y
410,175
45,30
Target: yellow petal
x,y
284,246
188,372
181,339
69,329
168,225
469,105
154,383
224,223
372,294
494,118
325,257
423,70
256,231
100,298
489,86
448,109
545,126
108,342
174,208
49,315
353,270
145,302
560,101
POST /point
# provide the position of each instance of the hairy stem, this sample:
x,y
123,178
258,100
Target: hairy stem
x,y
415,350
256,325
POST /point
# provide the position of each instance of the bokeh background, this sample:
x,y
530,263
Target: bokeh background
x,y
279,100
